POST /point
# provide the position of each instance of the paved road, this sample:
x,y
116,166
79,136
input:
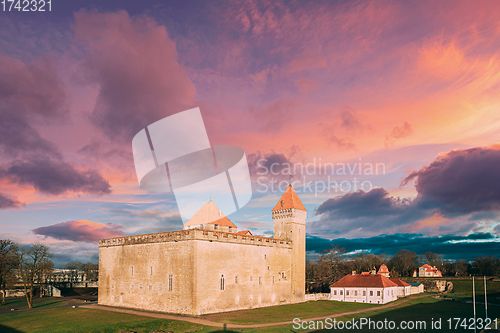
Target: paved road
x,y
207,322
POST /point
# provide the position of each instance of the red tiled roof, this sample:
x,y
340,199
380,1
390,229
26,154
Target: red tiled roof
x,y
383,269
224,222
366,273
244,232
289,199
210,214
375,281
400,282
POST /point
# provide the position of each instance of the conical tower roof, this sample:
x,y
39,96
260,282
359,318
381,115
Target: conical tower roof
x,y
210,214
289,199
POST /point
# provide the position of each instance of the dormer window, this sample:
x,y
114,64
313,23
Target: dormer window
x,y
220,213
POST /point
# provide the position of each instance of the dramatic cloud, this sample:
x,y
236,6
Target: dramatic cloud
x,y
134,63
7,201
268,165
461,181
452,246
365,213
55,177
28,92
81,231
376,202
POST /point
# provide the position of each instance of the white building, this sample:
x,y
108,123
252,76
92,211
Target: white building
x,y
364,288
404,289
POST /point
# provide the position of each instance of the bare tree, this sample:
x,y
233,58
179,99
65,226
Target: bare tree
x,y
74,268
8,263
34,263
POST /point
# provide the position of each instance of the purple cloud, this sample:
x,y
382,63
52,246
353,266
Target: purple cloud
x,y
461,181
55,177
81,231
7,201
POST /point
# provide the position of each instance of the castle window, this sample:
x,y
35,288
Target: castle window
x,y
150,287
260,280
236,279
170,287
265,256
132,270
250,278
222,282
378,293
273,278
268,268
215,226
150,270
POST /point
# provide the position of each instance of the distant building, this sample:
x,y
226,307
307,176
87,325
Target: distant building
x,y
427,271
383,271
364,288
416,288
404,289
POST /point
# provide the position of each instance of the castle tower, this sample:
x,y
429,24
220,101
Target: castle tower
x,y
289,216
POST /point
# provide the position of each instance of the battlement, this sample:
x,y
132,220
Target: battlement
x,y
195,234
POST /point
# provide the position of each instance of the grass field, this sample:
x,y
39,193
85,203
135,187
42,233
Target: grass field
x,y
90,320
287,312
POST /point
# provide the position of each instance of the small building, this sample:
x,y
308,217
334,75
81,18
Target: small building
x,y
364,288
383,270
416,288
427,271
404,289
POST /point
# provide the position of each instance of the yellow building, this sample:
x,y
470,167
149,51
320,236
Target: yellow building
x,y
208,266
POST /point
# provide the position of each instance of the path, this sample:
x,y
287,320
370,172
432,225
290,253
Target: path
x,y
207,322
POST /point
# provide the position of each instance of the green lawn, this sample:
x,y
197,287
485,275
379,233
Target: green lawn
x,y
425,309
87,320
90,320
274,314
20,303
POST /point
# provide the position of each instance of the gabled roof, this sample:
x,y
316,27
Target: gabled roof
x,y
289,199
400,283
374,281
244,232
210,214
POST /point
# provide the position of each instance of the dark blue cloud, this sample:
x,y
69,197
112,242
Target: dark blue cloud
x,y
451,246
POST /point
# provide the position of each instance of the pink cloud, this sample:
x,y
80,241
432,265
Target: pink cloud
x,y
134,62
80,231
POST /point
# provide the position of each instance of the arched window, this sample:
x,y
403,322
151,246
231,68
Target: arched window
x,y
222,286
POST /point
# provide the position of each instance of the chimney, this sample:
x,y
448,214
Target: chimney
x,y
353,273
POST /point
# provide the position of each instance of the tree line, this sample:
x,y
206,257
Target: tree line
x,y
333,264
31,267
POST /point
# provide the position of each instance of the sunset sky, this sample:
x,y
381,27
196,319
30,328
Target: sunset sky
x,y
403,96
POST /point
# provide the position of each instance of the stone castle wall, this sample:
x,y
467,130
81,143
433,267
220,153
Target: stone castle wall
x,y
194,271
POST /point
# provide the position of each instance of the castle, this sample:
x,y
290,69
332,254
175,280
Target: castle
x,y
209,266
